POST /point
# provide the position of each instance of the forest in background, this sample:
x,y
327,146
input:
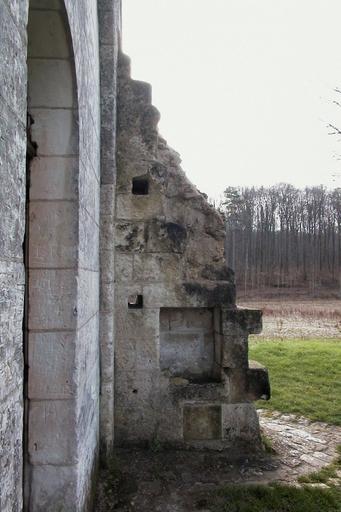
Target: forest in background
x,y
282,238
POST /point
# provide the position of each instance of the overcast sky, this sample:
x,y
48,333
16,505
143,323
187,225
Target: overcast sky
x,y
244,87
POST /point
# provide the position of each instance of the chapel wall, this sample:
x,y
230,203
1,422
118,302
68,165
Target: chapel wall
x,y
66,456
65,382
13,42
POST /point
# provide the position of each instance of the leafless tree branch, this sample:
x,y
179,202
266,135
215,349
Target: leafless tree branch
x,y
336,131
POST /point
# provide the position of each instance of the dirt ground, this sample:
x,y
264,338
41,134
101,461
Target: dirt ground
x,y
302,318
181,481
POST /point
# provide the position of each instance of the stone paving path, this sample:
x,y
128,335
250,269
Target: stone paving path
x,y
301,446
177,481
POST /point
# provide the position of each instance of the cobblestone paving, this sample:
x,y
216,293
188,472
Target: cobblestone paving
x,y
176,481
301,446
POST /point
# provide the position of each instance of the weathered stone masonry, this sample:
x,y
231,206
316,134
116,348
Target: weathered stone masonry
x,y
121,316
181,366
13,41
65,55
63,273
109,35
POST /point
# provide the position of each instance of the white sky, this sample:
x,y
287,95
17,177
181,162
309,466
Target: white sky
x,y
244,87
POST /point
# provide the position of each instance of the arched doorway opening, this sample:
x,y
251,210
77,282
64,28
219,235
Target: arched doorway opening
x,y
51,250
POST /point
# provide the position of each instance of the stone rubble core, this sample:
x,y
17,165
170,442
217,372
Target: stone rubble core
x,y
182,375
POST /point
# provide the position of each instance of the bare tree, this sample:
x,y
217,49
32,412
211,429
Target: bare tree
x,y
284,237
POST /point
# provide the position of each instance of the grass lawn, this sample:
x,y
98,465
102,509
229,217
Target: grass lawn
x,y
305,376
275,498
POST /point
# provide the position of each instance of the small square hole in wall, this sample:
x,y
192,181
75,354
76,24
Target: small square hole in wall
x,y
135,302
140,186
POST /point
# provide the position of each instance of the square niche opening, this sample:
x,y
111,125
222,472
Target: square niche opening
x,y
140,186
135,302
187,343
202,422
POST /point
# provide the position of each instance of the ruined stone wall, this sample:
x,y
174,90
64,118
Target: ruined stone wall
x,y
169,254
182,375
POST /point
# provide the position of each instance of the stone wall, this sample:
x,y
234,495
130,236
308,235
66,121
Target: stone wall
x,y
110,22
168,244
62,353
13,42
151,230
181,359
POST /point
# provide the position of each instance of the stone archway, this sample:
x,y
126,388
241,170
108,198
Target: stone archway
x,y
52,254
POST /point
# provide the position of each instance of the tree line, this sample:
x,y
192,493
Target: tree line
x,y
283,237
